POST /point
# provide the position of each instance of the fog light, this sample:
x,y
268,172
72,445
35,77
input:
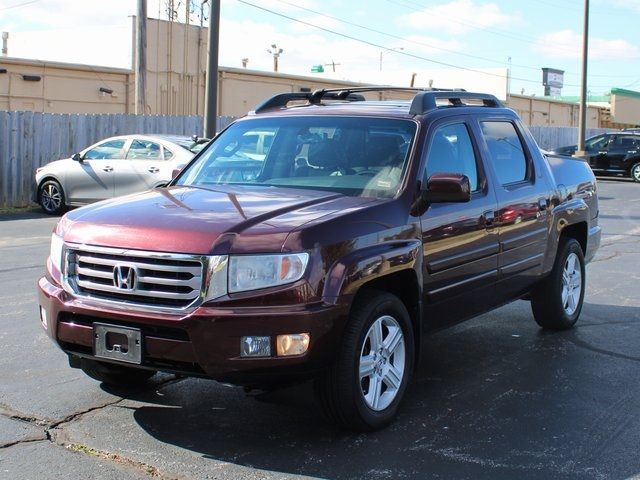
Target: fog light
x,y
43,317
292,344
255,346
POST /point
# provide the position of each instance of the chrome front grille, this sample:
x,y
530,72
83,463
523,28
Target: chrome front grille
x,y
134,277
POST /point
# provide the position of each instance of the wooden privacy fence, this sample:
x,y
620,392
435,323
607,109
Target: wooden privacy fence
x,y
549,138
29,140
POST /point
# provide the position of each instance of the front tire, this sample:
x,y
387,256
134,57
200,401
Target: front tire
x,y
635,173
116,375
557,299
51,198
363,389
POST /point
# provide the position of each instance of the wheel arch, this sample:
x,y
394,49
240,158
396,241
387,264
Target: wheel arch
x,y
394,267
404,285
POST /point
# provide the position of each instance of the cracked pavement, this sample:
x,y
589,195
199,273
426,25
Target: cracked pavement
x,y
495,397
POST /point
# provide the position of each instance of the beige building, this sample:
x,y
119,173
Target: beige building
x,y
176,69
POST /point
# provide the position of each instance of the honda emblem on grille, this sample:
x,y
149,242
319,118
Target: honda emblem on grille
x,y
124,277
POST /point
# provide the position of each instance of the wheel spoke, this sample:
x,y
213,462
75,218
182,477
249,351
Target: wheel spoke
x,y
571,302
375,390
366,366
571,264
393,378
375,335
393,339
565,296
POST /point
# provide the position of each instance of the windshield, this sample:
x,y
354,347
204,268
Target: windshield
x,y
353,156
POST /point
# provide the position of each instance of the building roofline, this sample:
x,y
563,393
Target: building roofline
x,y
288,76
625,93
63,65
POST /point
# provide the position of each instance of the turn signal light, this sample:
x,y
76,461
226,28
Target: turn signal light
x,y
292,344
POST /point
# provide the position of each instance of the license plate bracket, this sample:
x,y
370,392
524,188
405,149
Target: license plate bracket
x,y
117,343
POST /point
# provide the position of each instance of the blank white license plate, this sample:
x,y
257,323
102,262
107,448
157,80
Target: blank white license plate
x,y
117,343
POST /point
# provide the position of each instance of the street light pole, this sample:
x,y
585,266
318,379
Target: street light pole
x,y
275,51
582,122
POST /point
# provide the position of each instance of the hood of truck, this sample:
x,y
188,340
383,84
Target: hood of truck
x,y
220,220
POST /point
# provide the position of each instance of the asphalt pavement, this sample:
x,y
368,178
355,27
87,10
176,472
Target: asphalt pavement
x,y
495,397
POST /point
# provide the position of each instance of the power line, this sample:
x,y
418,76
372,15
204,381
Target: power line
x,y
19,5
408,40
366,42
405,53
404,39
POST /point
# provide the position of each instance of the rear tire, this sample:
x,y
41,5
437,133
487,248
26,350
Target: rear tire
x,y
635,172
116,375
557,299
51,198
363,389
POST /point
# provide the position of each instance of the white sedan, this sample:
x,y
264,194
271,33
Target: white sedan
x,y
110,168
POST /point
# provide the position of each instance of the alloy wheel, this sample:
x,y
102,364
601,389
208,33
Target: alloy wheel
x,y
382,363
571,284
51,197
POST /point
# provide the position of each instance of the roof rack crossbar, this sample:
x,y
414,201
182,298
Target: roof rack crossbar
x,y
426,101
282,99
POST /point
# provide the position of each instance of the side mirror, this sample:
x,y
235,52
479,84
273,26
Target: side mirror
x,y
442,188
448,187
175,172
77,157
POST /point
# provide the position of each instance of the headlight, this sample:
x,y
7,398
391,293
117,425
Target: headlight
x,y
250,272
55,253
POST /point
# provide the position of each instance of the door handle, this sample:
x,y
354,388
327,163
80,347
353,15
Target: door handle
x,y
153,169
107,169
489,219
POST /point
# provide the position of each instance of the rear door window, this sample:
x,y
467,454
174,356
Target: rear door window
x,y
506,152
143,150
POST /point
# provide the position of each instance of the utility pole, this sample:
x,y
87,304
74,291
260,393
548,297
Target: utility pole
x,y
141,59
582,122
275,51
211,90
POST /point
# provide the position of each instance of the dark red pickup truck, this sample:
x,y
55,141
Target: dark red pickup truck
x,y
318,238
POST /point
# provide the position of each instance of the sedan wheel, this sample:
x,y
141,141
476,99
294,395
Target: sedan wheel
x,y
635,172
51,197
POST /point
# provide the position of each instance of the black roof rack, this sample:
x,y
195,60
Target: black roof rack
x,y
424,101
282,99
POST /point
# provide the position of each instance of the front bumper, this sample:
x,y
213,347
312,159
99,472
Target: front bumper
x,y
204,342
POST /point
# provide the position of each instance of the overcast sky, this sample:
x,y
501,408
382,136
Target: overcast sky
x,y
475,38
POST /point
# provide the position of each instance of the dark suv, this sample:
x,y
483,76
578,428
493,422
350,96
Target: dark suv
x,y
321,241
616,153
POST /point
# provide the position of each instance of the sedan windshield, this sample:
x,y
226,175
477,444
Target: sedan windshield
x,y
357,156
